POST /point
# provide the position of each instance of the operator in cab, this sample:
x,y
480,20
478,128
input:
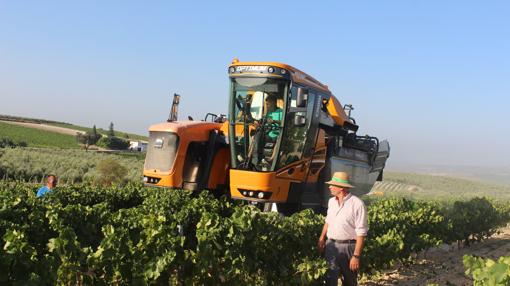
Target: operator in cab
x,y
274,115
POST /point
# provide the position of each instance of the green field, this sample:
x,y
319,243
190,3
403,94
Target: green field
x,y
35,137
422,186
70,126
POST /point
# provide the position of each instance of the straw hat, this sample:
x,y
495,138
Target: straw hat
x,y
340,179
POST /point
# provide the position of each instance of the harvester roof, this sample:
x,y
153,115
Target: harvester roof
x,y
181,126
296,74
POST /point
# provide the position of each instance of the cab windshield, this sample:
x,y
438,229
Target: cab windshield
x,y
257,111
161,151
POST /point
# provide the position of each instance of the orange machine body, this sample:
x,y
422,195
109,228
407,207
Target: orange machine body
x,y
286,134
276,185
188,133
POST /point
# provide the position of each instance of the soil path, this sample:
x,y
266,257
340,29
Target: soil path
x,y
443,266
45,127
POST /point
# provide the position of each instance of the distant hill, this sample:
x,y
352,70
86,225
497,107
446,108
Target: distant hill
x,y
26,119
69,126
422,186
491,174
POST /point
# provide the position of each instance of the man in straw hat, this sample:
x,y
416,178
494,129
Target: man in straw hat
x,y
345,228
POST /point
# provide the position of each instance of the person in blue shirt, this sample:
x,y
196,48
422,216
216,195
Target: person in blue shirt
x,y
51,182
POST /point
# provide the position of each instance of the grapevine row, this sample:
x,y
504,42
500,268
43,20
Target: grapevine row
x,y
84,234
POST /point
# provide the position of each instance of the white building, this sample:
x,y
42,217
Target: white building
x,y
140,146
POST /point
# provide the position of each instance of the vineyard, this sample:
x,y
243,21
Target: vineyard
x,y
83,234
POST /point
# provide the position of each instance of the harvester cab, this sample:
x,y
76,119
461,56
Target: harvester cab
x,y
288,134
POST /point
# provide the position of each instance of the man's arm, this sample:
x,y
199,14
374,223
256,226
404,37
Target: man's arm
x,y
360,242
322,239
354,263
361,230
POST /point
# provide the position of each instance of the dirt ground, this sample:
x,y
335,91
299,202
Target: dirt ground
x,y
443,265
45,127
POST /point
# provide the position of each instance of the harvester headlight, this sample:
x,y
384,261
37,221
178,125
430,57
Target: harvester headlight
x,y
232,69
251,194
282,71
145,179
270,69
261,195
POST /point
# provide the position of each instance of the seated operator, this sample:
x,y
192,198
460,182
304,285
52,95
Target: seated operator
x,y
274,116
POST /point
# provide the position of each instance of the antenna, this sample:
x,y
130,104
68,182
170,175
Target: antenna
x,y
348,108
175,105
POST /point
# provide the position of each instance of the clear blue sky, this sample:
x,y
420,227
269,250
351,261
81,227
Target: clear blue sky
x,y
433,77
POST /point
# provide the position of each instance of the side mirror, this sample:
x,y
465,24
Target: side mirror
x,y
302,96
299,120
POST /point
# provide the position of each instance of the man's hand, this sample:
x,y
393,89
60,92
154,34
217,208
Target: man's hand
x,y
321,244
354,264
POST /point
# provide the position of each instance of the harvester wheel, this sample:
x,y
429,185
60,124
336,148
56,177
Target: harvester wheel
x,y
267,207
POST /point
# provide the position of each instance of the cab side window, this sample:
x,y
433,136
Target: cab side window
x,y
291,148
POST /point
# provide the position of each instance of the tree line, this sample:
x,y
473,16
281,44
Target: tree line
x,y
110,141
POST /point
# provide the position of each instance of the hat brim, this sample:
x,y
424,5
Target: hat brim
x,y
339,184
